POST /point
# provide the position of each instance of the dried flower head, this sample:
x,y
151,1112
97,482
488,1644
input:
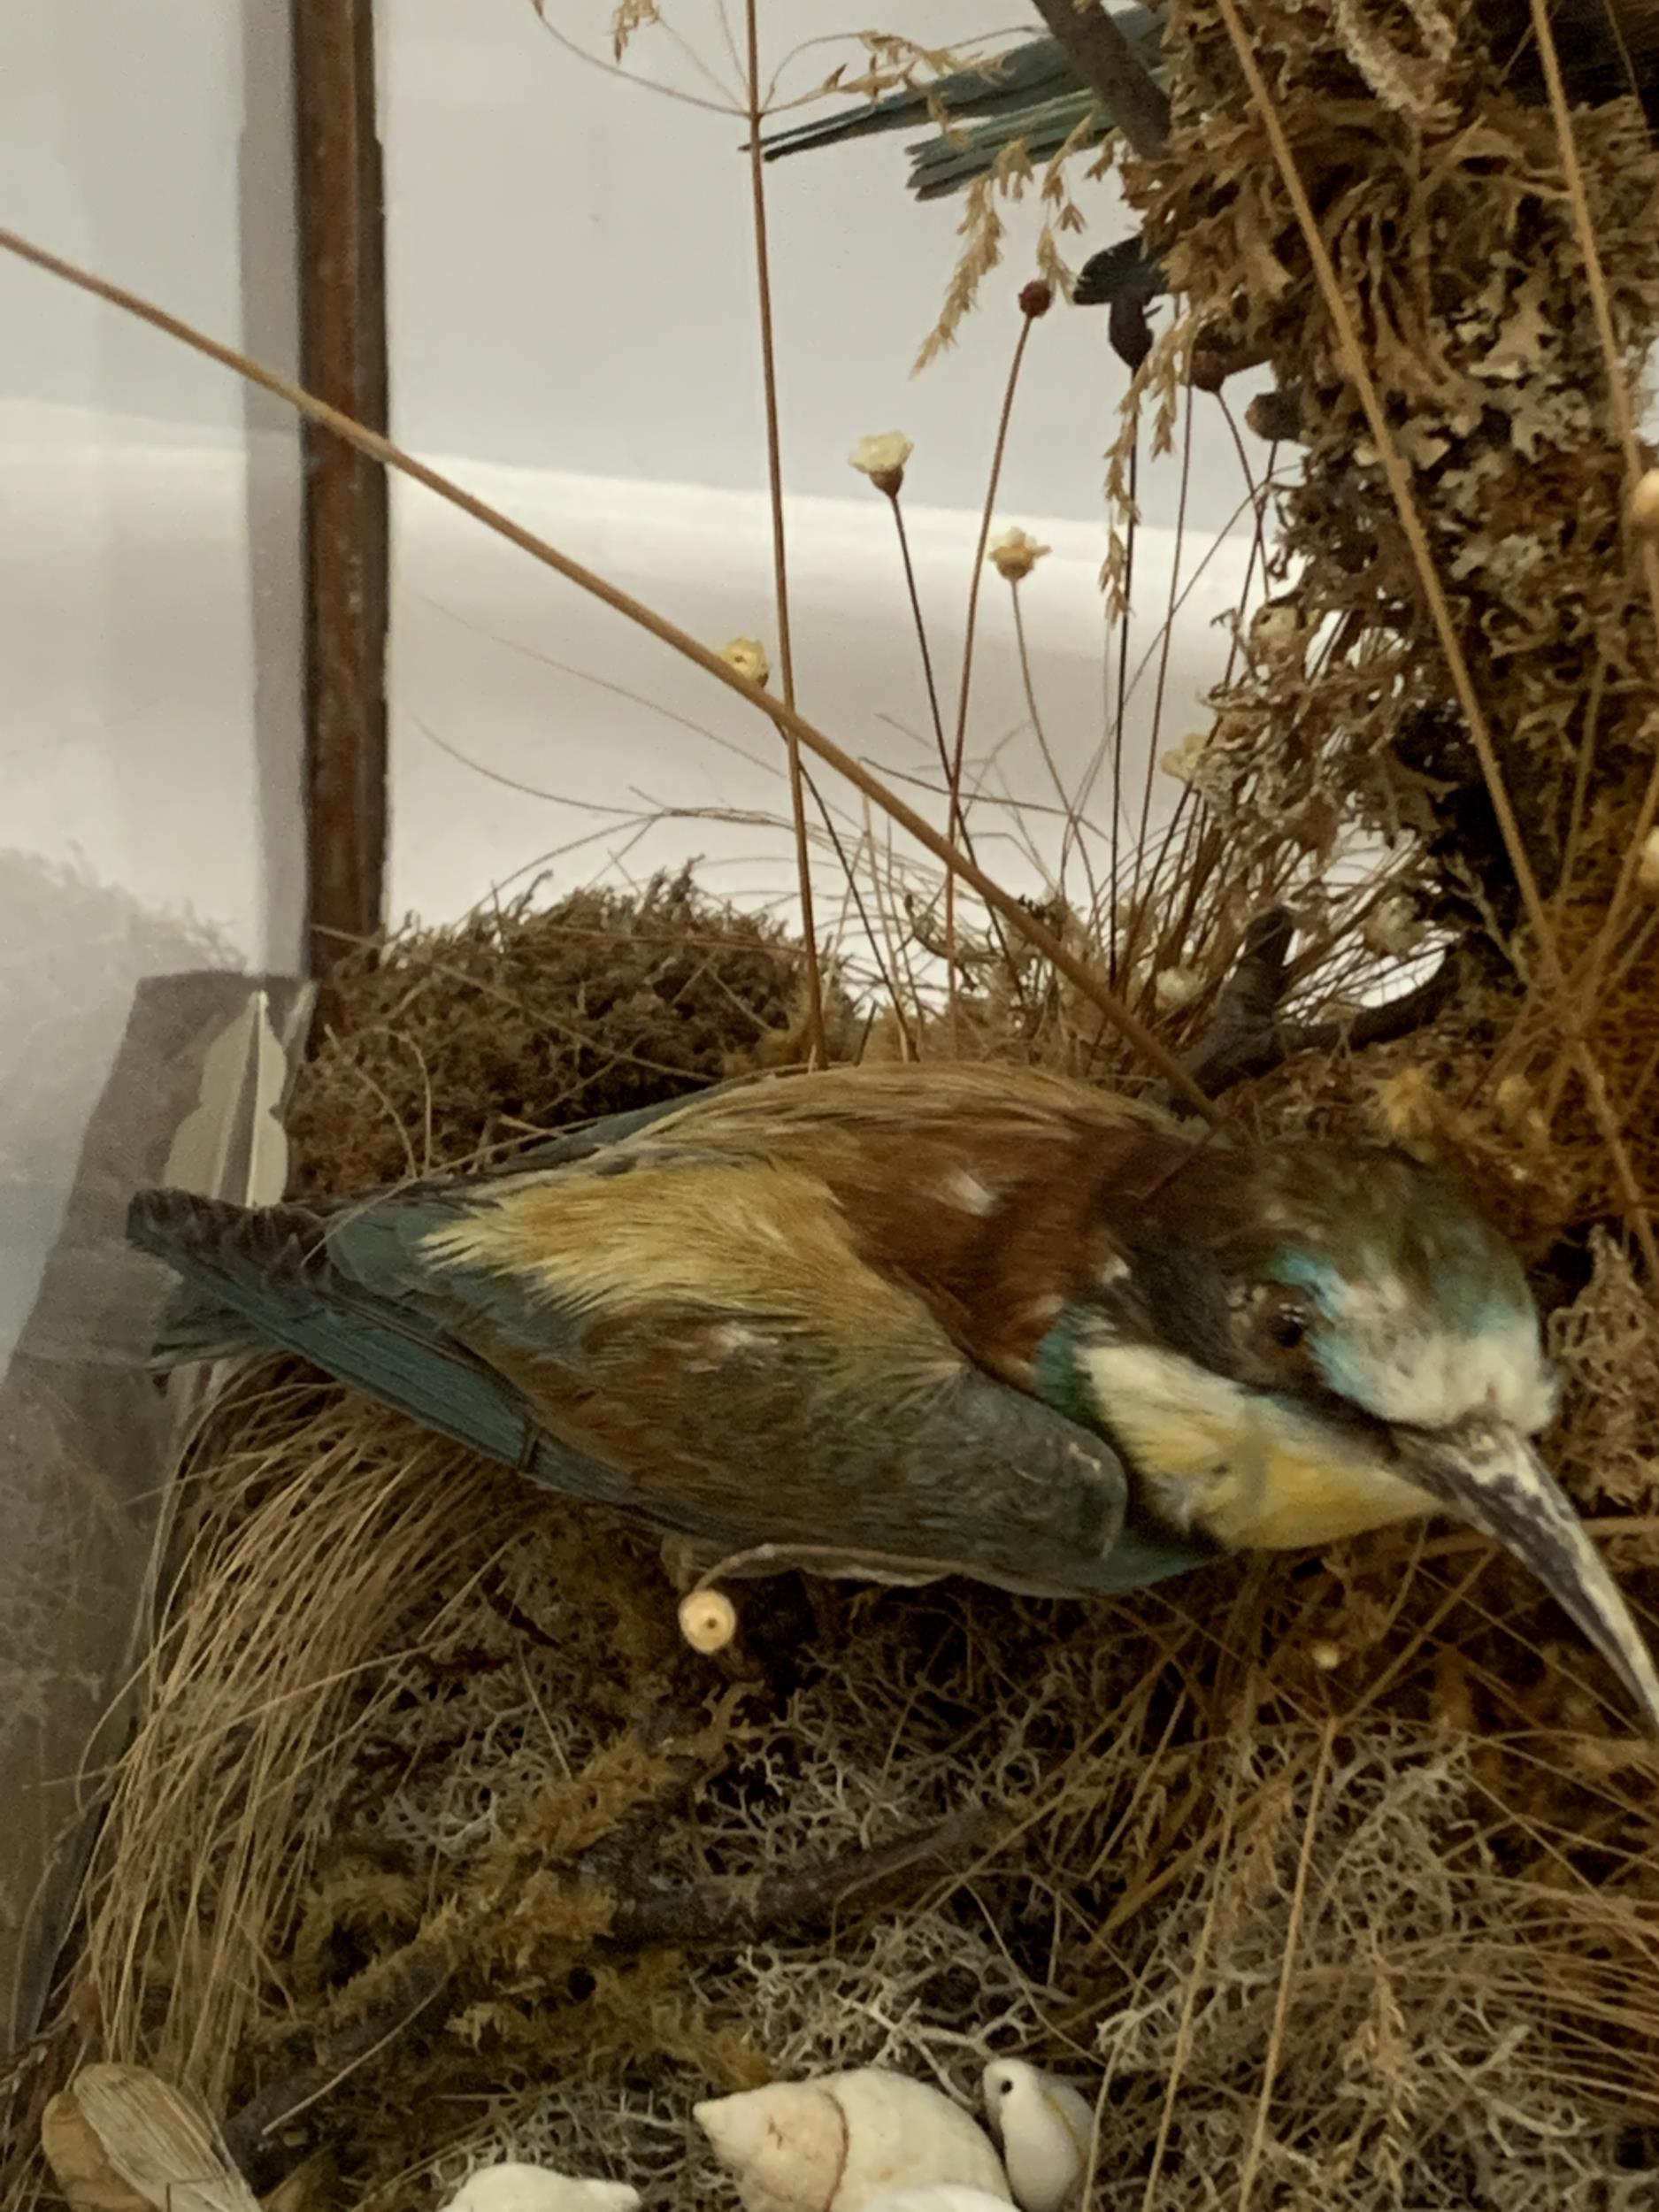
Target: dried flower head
x,y
747,656
1647,864
1036,298
881,458
1176,987
1014,555
1275,630
1391,927
1182,760
1276,414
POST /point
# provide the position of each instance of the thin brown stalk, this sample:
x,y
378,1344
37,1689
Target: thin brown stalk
x,y
935,712
897,941
936,717
1190,1994
1166,646
1410,519
1515,1040
1258,538
960,738
889,980
1286,1975
1122,705
1625,421
1072,834
1581,776
785,718
779,554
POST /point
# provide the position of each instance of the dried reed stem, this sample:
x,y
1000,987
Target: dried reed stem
x,y
784,717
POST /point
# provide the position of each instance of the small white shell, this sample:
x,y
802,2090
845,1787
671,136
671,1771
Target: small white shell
x,y
841,2142
514,2188
1044,2126
937,2196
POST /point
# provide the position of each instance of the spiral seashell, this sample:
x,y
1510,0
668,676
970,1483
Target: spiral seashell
x,y
510,2187
841,2142
1044,2126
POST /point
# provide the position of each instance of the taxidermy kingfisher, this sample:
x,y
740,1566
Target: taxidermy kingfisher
x,y
937,1318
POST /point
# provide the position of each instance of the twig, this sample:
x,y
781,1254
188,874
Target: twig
x,y
1247,1037
1245,1024
733,1912
1126,616
785,718
412,1995
1625,421
1103,57
750,1907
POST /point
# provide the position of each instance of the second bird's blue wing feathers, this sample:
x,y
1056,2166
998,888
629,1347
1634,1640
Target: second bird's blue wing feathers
x,y
947,161
1034,70
1029,93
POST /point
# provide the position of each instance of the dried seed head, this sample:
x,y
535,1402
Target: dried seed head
x,y
1275,630
747,656
1391,927
1036,298
1014,555
1176,987
1182,761
1275,415
881,458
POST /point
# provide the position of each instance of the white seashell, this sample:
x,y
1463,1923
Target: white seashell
x,y
937,2196
1044,2126
514,2188
841,2142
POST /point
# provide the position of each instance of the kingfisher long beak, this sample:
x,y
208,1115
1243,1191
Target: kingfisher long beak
x,y
1491,1476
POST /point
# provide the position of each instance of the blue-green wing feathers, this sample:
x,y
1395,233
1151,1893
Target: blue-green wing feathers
x,y
697,1340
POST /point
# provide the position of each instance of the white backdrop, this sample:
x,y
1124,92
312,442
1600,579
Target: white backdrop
x,y
573,320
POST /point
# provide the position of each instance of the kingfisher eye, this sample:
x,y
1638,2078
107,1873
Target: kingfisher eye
x,y
1286,1328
